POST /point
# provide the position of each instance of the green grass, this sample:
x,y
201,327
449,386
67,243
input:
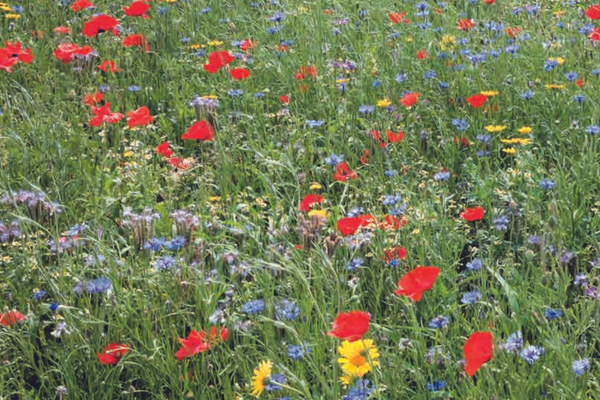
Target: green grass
x,y
245,187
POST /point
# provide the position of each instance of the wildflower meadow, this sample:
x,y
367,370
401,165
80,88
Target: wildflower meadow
x,y
299,199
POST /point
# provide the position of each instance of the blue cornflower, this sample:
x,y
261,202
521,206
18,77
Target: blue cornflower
x,y
534,240
334,160
99,285
593,129
277,379
430,74
436,385
460,124
366,109
442,176
254,307
394,263
501,223
133,89
596,72
571,76
546,184
185,40
579,98
391,199
475,265
165,263
286,310
483,138
355,263
471,297
154,244
205,10
580,279
235,92
514,342
355,212
527,95
361,390
424,26
362,13
580,366
277,17
517,10
512,49
17,9
175,244
298,351
443,85
39,294
439,322
532,9
376,84
53,307
259,95
552,314
549,65
274,29
531,354
78,288
401,77
313,123
199,53
390,173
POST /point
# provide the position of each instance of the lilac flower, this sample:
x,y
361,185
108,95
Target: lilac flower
x,y
513,343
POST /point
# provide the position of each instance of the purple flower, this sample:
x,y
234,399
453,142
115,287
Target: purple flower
x,y
531,354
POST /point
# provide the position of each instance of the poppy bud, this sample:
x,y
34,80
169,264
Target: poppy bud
x,y
72,94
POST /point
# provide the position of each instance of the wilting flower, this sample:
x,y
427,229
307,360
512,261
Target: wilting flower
x,y
350,326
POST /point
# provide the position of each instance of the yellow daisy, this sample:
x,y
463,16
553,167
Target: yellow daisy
x,y
358,358
315,186
525,130
12,16
489,93
554,87
495,128
320,213
383,103
510,150
261,375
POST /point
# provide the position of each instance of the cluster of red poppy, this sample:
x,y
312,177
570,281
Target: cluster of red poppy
x,y
593,13
12,53
102,114
350,225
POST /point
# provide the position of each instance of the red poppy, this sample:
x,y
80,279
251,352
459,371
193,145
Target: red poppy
x,y
246,44
375,135
421,55
11,318
284,99
103,114
239,73
417,281
309,200
391,222
14,50
62,29
163,149
90,100
489,2
395,137
211,68
112,353
198,342
66,51
595,35
350,326
409,99
349,225
7,63
579,83
220,58
593,11
201,130
342,172
139,117
472,214
81,5
396,17
463,141
365,157
99,24
137,9
466,24
477,100
108,65
136,40
396,253
513,32
178,163
478,350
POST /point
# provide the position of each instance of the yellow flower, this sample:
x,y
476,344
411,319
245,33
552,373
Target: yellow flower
x,y
358,358
261,374
489,93
509,141
214,199
510,150
554,87
408,40
383,103
315,186
447,39
215,43
495,128
320,213
12,16
195,46
559,60
338,81
525,130
6,8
